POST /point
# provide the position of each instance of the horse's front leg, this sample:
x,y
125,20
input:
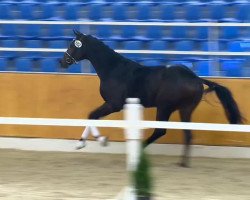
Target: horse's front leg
x,y
99,112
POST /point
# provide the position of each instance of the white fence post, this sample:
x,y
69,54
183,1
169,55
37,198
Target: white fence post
x,y
133,134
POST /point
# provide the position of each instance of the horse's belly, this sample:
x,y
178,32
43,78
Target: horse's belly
x,y
146,99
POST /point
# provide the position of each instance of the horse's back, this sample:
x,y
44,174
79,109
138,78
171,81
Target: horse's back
x,y
179,86
174,85
181,70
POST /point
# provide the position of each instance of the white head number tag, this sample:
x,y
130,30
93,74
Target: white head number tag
x,y
78,43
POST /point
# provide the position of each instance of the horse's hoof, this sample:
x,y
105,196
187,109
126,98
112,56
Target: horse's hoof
x,y
81,144
103,140
183,164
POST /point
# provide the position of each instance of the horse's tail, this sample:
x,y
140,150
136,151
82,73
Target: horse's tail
x,y
226,98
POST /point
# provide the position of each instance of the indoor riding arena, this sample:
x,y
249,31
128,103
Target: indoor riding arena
x,y
42,104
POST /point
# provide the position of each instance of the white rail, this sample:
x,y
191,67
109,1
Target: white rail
x,y
127,23
133,125
212,53
124,124
130,23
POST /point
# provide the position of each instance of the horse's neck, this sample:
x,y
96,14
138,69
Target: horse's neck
x,y
104,62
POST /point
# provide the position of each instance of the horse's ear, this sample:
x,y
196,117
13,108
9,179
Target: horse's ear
x,y
77,33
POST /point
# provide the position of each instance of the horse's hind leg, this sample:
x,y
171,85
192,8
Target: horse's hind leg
x,y
185,115
162,115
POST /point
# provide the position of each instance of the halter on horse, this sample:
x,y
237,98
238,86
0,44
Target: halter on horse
x,y
166,88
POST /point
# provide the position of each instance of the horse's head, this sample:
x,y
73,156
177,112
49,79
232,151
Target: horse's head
x,y
76,51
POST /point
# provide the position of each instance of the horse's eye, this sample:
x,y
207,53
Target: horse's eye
x,y
68,60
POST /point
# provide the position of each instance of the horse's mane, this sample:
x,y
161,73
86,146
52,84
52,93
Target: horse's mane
x,y
106,49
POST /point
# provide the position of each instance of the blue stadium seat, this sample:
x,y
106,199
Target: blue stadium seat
x,y
178,32
246,71
184,45
9,31
216,11
203,68
28,2
133,45
49,65
30,32
143,12
57,32
152,63
49,11
232,68
239,46
210,46
3,64
6,11
76,68
201,33
223,45
104,32
24,64
150,33
229,33
27,12
86,67
120,12
86,2
59,2
33,44
8,1
244,33
154,32
57,44
95,12
158,45
16,1
193,12
234,11
92,70
235,2
127,33
70,11
46,11
10,44
167,13
242,12
234,46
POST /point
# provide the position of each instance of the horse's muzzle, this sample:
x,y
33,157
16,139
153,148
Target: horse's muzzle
x,y
63,64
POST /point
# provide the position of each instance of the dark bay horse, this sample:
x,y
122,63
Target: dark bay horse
x,y
168,88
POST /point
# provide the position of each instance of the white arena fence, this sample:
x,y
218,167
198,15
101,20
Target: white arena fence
x,y
110,23
132,125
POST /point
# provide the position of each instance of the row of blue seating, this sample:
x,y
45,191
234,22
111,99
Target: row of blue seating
x,y
158,38
230,2
171,33
232,68
194,12
208,67
121,33
28,65
183,45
